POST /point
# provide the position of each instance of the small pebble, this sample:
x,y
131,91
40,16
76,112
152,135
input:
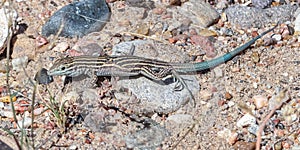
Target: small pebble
x,y
269,41
1,105
230,103
287,31
253,128
285,74
218,72
3,65
255,85
246,120
205,95
243,145
73,147
7,113
278,146
180,118
202,14
226,32
93,49
294,117
277,37
228,96
228,135
297,25
158,11
255,57
286,145
235,69
25,123
61,47
279,133
19,63
38,111
233,138
221,102
260,101
40,41
269,86
143,29
278,98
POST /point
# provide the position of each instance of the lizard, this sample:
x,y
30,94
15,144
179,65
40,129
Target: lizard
x,y
153,69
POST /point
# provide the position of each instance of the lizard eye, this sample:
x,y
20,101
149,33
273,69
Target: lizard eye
x,y
62,68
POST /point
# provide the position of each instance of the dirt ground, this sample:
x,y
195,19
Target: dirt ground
x,y
234,99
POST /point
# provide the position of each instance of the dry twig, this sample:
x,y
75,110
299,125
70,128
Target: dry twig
x,y
281,97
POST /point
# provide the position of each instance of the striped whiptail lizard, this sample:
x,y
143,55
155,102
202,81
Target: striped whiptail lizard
x,y
135,66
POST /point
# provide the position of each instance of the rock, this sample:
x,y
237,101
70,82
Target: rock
x,y
247,17
153,96
78,19
147,138
200,12
8,16
24,46
8,143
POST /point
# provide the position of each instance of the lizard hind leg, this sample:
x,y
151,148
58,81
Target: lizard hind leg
x,y
181,83
178,85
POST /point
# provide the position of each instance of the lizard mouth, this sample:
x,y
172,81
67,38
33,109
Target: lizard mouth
x,y
51,73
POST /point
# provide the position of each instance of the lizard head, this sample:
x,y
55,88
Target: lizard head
x,y
62,67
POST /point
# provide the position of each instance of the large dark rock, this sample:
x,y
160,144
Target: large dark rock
x,y
78,19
